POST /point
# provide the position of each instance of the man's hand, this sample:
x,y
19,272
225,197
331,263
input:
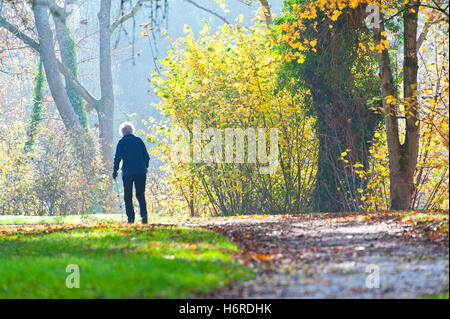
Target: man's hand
x,y
114,175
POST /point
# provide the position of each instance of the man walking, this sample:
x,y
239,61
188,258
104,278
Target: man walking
x,y
132,151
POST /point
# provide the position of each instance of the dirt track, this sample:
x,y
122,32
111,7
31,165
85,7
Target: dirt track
x,y
334,257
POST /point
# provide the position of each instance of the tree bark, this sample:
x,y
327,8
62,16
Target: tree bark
x,y
403,190
50,63
402,157
69,59
105,109
267,12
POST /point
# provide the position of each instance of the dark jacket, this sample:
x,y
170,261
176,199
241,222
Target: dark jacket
x,y
132,151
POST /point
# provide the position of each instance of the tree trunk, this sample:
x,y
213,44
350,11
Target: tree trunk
x,y
106,106
402,157
191,199
106,129
402,190
344,121
267,12
78,136
69,59
50,63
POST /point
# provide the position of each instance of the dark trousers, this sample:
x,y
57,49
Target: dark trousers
x,y
139,183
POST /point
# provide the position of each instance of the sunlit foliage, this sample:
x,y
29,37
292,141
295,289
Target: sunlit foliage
x,y
228,80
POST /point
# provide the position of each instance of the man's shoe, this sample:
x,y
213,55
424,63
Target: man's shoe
x,y
144,221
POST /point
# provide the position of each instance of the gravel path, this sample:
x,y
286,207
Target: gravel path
x,y
334,257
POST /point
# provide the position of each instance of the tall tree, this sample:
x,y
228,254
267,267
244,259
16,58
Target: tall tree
x,y
105,107
68,54
402,155
345,124
73,115
50,62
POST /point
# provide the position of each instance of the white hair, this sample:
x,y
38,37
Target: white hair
x,y
126,128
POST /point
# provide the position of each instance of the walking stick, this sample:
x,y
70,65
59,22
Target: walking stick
x,y
118,198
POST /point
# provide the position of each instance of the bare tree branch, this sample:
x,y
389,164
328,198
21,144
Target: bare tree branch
x,y
129,15
19,34
81,90
423,34
437,8
209,11
90,99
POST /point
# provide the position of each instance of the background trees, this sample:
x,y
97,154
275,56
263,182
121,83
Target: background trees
x,y
319,73
72,41
403,139
68,97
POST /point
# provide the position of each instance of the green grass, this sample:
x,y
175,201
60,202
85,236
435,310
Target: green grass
x,y
71,219
439,296
117,262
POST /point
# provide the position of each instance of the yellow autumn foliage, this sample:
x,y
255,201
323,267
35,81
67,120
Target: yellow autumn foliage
x,y
227,80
